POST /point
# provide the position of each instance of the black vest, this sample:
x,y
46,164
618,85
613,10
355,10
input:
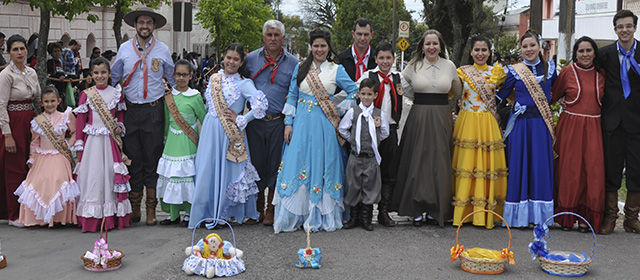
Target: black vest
x,y
397,83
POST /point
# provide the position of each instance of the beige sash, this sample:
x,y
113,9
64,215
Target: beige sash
x,y
482,87
328,107
57,140
537,94
184,126
236,151
106,117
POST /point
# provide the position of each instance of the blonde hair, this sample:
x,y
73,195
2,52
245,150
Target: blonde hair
x,y
206,251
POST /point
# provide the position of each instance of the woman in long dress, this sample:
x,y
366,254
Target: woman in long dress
x,y
579,169
529,138
424,172
479,166
311,177
225,178
19,85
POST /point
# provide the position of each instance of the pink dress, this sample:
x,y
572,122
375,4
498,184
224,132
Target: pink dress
x,y
48,194
102,176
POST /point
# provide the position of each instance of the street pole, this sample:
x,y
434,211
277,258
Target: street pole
x,y
566,29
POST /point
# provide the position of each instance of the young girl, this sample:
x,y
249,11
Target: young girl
x,y
176,167
48,194
226,180
102,176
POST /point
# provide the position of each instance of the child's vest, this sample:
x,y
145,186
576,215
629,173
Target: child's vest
x,y
397,83
365,138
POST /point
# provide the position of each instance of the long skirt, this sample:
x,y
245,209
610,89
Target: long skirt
x,y
424,171
479,168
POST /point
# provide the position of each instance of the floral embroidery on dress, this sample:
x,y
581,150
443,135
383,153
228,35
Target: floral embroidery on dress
x,y
471,100
308,103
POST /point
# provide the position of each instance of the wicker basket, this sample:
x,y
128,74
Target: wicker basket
x,y
569,269
223,267
479,266
3,263
112,264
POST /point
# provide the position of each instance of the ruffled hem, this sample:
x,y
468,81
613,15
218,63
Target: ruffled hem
x,y
245,185
29,197
175,190
477,173
177,166
97,210
95,130
222,267
523,213
478,144
478,202
296,211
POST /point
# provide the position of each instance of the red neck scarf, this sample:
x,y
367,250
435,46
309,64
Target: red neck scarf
x,y
386,80
143,58
360,61
270,62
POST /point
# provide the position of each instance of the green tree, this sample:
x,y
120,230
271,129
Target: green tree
x,y
230,21
319,13
457,21
506,44
379,12
68,9
296,33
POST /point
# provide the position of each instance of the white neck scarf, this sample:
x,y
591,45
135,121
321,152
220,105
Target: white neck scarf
x,y
366,113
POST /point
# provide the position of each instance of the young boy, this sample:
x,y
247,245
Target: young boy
x,y
390,86
364,126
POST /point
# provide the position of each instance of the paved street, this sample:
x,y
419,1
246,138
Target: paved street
x,y
403,252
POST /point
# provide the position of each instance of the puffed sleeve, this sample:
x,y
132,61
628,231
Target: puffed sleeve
x,y
289,109
345,83
258,101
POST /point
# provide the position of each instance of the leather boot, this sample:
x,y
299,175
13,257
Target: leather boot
x,y
610,212
354,217
383,206
631,209
268,216
136,200
259,207
151,203
366,214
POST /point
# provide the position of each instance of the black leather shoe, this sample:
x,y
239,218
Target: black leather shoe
x,y
168,222
184,223
584,229
565,228
417,223
354,217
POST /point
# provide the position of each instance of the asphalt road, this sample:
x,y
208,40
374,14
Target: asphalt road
x,y
402,252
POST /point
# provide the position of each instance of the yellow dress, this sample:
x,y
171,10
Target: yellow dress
x,y
479,165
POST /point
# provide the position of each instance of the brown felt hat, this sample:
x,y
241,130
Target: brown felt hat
x,y
131,17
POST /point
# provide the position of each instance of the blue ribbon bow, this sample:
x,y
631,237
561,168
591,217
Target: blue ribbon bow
x,y
517,110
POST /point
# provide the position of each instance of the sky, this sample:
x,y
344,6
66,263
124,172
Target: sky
x,y
290,7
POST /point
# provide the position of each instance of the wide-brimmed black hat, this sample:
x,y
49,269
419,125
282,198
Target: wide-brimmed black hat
x,y
109,54
131,17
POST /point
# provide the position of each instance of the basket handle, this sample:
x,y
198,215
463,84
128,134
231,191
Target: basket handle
x,y
487,211
193,235
593,251
102,228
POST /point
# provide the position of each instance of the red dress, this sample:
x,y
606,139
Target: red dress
x,y
579,168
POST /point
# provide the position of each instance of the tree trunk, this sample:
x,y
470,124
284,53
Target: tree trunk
x,y
43,38
456,53
117,23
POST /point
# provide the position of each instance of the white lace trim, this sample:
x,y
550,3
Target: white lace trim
x,y
28,196
179,131
177,166
59,128
95,130
106,209
46,152
175,190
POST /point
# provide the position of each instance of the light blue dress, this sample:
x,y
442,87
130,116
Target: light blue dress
x,y
311,175
225,189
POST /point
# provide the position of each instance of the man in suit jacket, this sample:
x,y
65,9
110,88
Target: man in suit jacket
x,y
621,122
358,58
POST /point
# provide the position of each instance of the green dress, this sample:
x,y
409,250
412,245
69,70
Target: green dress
x,y
176,167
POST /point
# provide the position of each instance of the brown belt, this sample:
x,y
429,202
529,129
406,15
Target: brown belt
x,y
150,104
272,117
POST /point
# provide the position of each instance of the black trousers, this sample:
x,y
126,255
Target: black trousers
x,y
389,153
143,143
621,149
266,139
